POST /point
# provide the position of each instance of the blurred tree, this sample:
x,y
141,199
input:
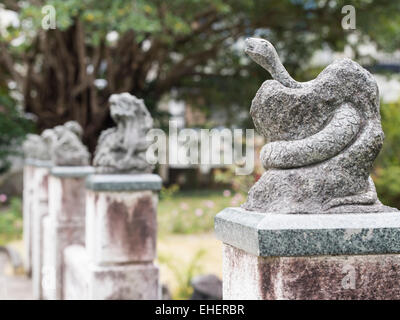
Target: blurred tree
x,y
149,47
13,127
387,168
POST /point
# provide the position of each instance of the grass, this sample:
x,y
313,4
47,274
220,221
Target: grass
x,y
188,212
11,221
186,244
181,257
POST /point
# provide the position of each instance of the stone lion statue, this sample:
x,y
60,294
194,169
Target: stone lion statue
x,y
122,149
61,145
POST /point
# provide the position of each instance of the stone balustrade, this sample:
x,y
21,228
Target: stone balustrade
x,y
117,261
65,224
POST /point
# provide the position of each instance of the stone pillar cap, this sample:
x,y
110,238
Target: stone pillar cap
x,y
309,234
38,163
123,182
72,171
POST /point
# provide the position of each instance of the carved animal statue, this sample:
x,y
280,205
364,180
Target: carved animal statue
x,y
122,149
61,145
67,147
36,148
322,138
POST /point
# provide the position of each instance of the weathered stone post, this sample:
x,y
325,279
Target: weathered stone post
x,y
283,256
36,174
35,204
312,226
121,214
39,212
27,200
65,223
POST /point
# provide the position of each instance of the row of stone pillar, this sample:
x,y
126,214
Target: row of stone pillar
x,y
90,236
90,231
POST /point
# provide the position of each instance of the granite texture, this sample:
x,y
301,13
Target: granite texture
x,y
322,138
72,171
122,149
359,277
39,213
35,147
121,227
66,147
27,204
86,281
309,235
38,163
123,182
61,146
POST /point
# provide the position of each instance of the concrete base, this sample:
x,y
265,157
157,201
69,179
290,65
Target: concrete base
x,y
335,256
87,281
39,212
120,241
248,277
121,226
27,202
66,225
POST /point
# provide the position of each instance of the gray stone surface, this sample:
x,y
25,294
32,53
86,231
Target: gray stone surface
x,y
206,287
339,277
85,280
309,235
122,149
62,146
67,148
36,148
322,138
38,163
123,182
72,171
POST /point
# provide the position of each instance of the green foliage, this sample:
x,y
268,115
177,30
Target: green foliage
x,y
169,192
11,221
239,183
194,48
13,128
387,168
143,16
190,212
183,273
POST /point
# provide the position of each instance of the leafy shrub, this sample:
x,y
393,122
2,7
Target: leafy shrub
x,y
169,192
11,221
13,128
387,168
194,211
183,273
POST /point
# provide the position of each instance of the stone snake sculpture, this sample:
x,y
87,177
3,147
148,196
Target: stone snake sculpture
x,y
322,138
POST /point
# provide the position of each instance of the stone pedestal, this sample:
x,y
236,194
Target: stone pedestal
x,y
35,210
65,224
121,230
287,256
27,202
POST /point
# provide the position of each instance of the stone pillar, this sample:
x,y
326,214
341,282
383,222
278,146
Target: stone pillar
x,y
317,256
121,230
39,205
27,201
65,224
